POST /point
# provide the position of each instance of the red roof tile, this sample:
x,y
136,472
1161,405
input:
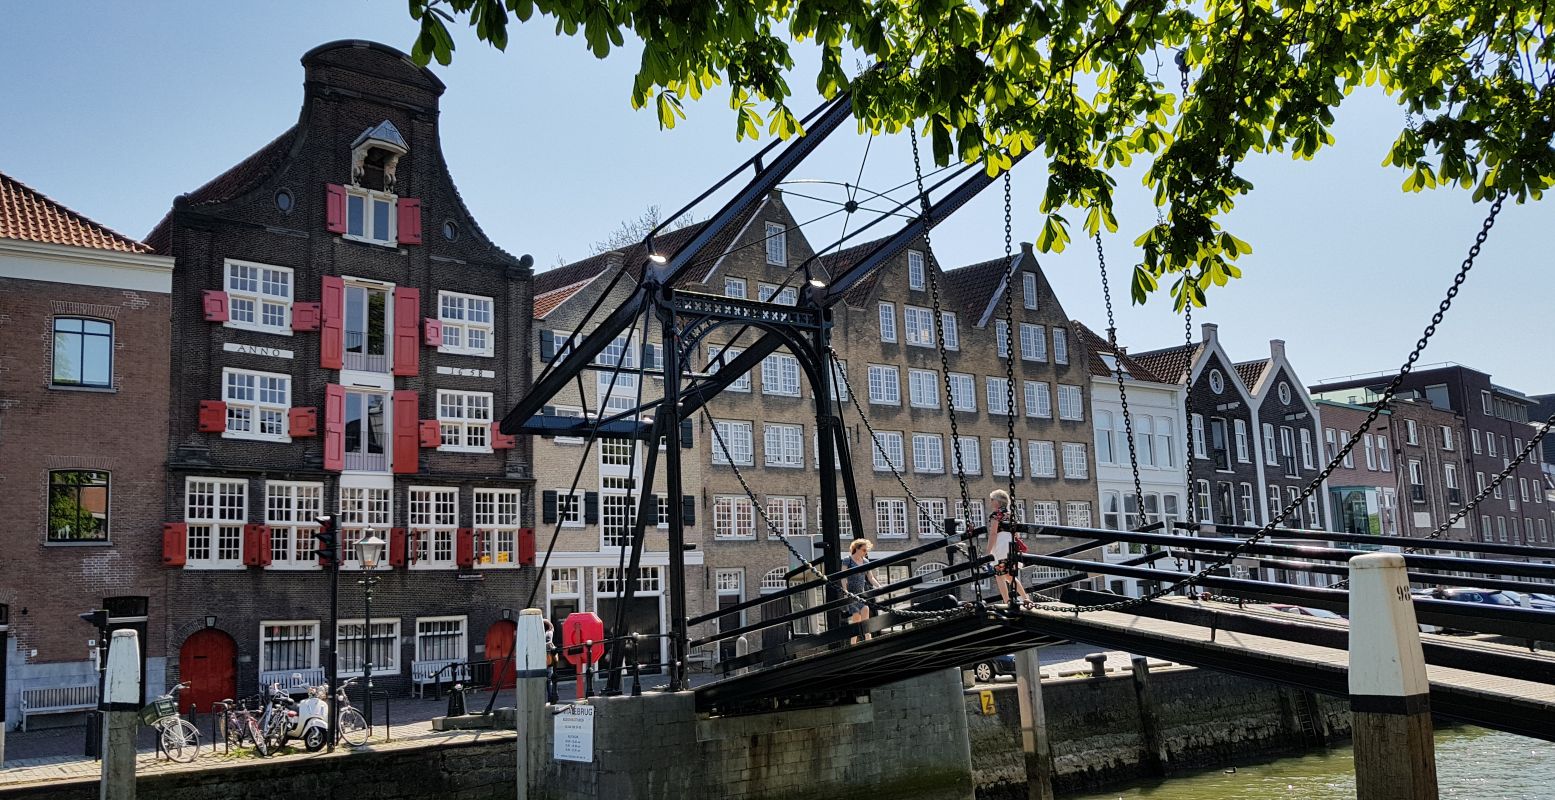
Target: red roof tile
x,y
976,285
550,301
1251,371
1097,346
29,216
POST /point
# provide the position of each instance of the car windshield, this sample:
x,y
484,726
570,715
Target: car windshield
x,y
1323,613
1499,599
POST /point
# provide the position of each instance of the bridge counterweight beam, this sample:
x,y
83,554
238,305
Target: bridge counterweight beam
x,y
1395,755
669,421
826,420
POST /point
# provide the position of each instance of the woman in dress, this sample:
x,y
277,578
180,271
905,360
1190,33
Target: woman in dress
x,y
1001,538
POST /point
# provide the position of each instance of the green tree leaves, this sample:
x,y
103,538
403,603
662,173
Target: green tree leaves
x,y
1097,86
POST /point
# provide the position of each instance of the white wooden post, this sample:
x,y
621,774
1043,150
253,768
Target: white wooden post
x,y
121,707
1395,754
529,708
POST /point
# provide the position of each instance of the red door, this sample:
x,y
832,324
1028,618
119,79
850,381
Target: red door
x,y
209,662
499,646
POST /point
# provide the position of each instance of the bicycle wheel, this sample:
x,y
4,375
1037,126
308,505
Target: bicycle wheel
x,y
180,740
353,727
275,733
257,736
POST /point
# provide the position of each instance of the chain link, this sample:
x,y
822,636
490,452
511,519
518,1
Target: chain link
x,y
1009,340
1187,335
1117,370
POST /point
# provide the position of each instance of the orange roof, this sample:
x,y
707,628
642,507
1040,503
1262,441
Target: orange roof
x,y
29,216
547,302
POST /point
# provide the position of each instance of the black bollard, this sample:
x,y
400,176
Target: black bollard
x,y
456,701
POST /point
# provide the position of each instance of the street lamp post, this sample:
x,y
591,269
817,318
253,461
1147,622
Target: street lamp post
x,y
371,551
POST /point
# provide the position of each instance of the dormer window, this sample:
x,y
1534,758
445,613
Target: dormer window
x,y
370,209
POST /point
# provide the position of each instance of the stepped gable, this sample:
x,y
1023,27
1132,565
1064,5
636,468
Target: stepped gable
x,y
28,215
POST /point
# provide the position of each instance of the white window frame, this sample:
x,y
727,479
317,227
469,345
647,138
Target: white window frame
x,y
464,636
734,434
719,355
258,297
928,453
1239,433
888,323
890,518
369,197
314,662
255,410
1012,456
915,270
362,508
918,323
498,516
1076,402
1306,449
1033,342
783,445
222,524
887,451
885,385
464,426
1077,513
1060,346
931,516
1001,338
735,287
1076,466
952,330
787,514
291,512
923,388
1271,453
780,375
971,455
431,522
963,392
1029,290
734,517
770,293
1044,460
998,395
456,311
1199,449
391,668
776,244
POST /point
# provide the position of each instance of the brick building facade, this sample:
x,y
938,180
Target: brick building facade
x,y
347,336
884,340
83,386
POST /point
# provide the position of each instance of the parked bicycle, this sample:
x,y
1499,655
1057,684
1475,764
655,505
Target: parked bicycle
x,y
238,723
353,726
276,720
178,737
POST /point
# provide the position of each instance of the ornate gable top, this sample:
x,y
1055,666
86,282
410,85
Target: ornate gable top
x,y
384,134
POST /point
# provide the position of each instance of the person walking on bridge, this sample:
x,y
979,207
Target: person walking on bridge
x,y
1004,547
858,583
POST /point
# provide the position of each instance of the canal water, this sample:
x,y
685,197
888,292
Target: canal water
x,y
1471,763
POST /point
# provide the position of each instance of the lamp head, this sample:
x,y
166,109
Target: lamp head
x,y
371,550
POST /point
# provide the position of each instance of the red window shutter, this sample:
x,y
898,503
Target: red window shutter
x,y
305,316
303,421
406,432
334,427
175,541
214,301
526,547
213,416
256,546
409,220
407,341
396,547
500,440
332,314
431,433
434,332
464,548
335,207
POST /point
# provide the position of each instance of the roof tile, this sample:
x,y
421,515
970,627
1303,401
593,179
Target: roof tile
x,y
28,215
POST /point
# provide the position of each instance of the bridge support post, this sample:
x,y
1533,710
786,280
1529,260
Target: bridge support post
x,y
530,711
1153,751
1034,742
1395,754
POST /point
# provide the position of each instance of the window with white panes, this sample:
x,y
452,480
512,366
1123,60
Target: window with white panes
x,y
998,395
718,356
1198,437
1349,456
1003,457
769,292
259,297
1077,514
1288,451
931,516
733,442
928,453
975,517
887,451
443,638
1001,337
371,216
923,388
214,511
1039,400
844,520
1043,460
1144,440
1446,437
291,513
734,287
1044,512
1474,440
353,649
952,331
885,388
786,514
1071,402
1033,342
257,404
1271,456
733,517
467,323
1166,441
915,270
777,244
565,582
919,324
783,445
1242,454
1412,435
963,397
971,455
839,379
464,420
288,645
780,375
890,518
612,581
362,509
1029,289
1074,461
497,520
888,322
1061,349
433,521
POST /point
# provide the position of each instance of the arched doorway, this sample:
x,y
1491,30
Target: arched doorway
x,y
208,660
499,646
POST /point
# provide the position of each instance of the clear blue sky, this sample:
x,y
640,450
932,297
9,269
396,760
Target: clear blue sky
x,y
115,108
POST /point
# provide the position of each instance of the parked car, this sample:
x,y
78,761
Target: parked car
x,y
987,670
1318,613
1489,597
1542,601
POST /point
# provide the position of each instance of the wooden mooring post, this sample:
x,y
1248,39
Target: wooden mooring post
x,y
1395,753
1036,747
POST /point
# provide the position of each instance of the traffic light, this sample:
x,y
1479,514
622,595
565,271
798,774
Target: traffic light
x,y
97,618
328,536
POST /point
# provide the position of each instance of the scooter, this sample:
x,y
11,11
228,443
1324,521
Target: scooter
x,y
312,721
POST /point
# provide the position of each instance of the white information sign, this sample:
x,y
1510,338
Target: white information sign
x,y
575,734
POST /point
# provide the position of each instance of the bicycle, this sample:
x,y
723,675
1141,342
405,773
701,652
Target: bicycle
x,y
238,723
178,737
352,728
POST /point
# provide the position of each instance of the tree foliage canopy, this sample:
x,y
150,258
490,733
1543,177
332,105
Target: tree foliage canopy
x,y
1095,84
